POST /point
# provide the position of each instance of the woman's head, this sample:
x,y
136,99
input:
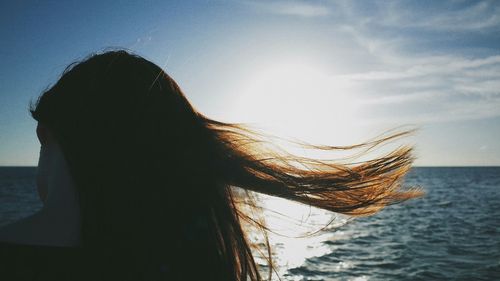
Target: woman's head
x,y
148,168
115,107
120,118
134,146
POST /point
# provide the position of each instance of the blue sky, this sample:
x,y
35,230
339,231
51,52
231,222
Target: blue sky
x,y
331,72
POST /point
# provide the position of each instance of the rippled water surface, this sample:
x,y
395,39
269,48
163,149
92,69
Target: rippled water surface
x,y
453,233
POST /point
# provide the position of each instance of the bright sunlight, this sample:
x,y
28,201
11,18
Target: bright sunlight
x,y
298,100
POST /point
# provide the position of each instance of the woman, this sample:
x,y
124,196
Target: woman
x,y
136,183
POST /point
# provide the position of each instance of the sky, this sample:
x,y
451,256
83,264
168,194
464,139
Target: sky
x,y
326,72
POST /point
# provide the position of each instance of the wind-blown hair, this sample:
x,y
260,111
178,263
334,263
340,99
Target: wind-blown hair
x,y
157,180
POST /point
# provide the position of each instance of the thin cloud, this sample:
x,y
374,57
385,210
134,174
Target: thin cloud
x,y
424,87
443,89
435,66
410,77
291,8
480,16
423,84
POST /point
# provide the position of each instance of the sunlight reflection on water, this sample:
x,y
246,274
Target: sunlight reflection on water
x,y
296,232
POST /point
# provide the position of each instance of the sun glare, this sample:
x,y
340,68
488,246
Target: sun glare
x,y
297,100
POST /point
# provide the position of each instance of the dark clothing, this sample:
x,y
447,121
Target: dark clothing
x,y
41,263
189,257
30,262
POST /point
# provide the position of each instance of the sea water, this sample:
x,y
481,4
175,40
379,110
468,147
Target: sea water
x,y
452,233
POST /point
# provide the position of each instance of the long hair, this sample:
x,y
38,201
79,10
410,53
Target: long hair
x,y
163,188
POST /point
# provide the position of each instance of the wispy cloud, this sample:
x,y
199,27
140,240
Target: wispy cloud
x,y
439,89
439,66
448,16
425,84
424,66
426,88
291,8
475,16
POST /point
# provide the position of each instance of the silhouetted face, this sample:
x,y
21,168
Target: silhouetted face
x,y
42,176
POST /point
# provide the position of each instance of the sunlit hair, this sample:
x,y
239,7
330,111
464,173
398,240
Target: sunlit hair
x,y
161,183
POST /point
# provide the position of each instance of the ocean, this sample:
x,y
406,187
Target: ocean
x,y
452,233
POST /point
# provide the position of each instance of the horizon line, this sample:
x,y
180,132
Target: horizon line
x,y
415,166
